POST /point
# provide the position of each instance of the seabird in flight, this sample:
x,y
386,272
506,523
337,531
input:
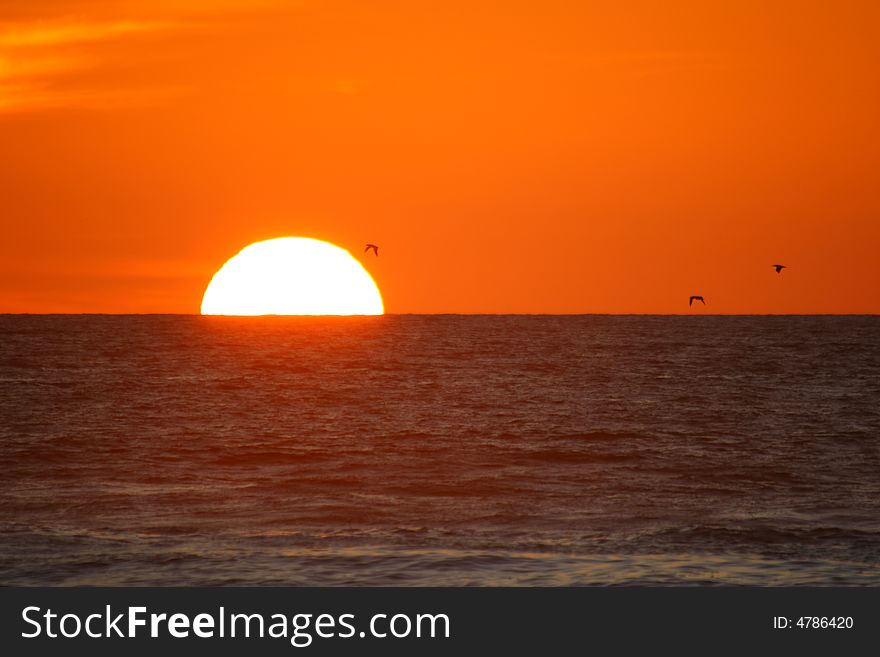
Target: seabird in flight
x,y
778,268
698,298
372,246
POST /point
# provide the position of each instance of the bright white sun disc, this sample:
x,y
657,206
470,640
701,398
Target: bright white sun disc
x,y
292,276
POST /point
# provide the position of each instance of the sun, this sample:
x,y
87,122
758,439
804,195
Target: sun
x,y
292,276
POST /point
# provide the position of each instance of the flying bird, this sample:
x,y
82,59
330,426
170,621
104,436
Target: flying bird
x,y
372,246
698,298
778,268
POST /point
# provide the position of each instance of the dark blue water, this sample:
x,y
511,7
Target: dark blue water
x,y
403,450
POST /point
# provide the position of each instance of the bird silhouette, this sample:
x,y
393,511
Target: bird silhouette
x,y
778,268
698,298
372,246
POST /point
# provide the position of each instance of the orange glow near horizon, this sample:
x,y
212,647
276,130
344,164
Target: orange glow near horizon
x,y
292,276
551,157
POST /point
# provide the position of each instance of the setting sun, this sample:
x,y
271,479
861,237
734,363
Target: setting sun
x,y
292,276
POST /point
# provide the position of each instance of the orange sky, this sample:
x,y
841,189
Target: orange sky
x,y
552,156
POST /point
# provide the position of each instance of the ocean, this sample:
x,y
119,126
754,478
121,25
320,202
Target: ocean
x,y
440,450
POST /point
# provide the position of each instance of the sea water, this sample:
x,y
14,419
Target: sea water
x,y
439,450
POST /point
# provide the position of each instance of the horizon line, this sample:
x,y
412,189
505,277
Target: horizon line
x,y
471,314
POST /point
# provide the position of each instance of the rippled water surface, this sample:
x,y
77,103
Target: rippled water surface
x,y
423,450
